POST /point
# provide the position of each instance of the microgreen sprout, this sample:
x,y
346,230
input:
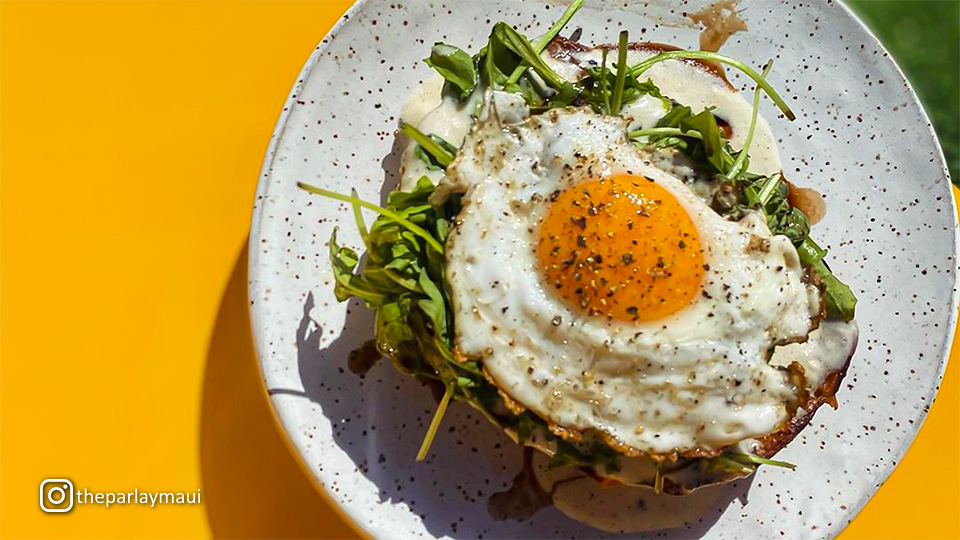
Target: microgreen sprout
x,y
721,59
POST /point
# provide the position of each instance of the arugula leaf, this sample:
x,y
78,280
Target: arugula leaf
x,y
456,67
697,135
418,196
528,90
392,328
433,306
386,213
432,162
740,165
440,154
647,88
604,85
505,36
741,463
724,463
598,454
770,196
840,300
545,40
343,260
754,459
721,59
713,148
403,279
667,132
497,61
599,83
616,100
524,428
794,225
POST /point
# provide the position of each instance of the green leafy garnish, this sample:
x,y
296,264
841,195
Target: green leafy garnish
x,y
617,99
741,463
545,39
597,454
524,428
721,59
697,135
344,260
432,162
757,460
436,148
740,165
600,83
403,276
387,213
840,300
604,86
435,423
664,132
658,478
770,196
403,279
456,67
507,39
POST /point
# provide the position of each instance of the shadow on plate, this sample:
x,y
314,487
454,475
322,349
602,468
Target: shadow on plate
x,y
253,485
256,487
378,419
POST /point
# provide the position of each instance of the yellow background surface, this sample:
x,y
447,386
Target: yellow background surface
x,y
131,137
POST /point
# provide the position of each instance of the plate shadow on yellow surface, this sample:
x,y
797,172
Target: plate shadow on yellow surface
x,y
253,485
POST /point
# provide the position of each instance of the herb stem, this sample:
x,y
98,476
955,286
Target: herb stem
x,y
668,131
638,69
545,39
442,156
621,74
753,458
739,164
400,280
766,192
603,81
733,465
658,479
435,423
361,224
389,214
367,296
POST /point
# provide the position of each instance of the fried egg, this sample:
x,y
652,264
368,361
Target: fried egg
x,y
604,295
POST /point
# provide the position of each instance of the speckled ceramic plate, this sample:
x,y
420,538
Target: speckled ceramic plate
x,y
861,138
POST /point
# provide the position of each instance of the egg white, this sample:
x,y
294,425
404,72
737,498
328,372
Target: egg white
x,y
695,380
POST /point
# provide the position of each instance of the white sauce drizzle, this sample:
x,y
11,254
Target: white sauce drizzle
x,y
621,508
826,350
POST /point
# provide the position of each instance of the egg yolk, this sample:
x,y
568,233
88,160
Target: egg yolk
x,y
621,247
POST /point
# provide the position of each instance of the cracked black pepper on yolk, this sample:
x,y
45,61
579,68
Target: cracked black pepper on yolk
x,y
621,247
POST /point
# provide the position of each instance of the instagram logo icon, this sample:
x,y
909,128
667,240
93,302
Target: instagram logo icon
x,y
56,495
